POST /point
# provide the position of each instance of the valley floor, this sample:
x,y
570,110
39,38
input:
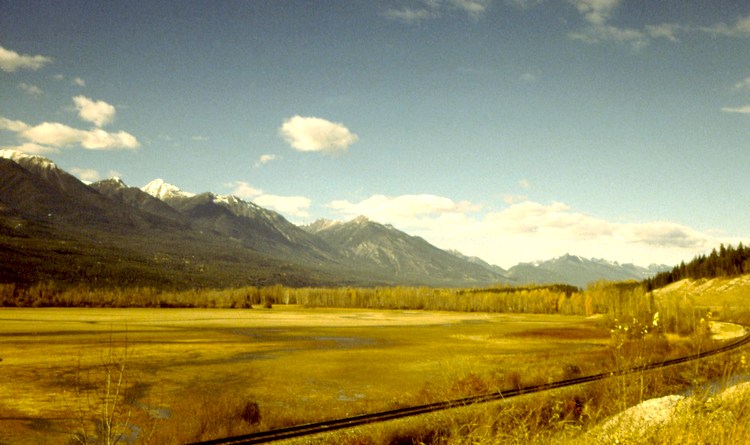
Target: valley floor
x,y
296,364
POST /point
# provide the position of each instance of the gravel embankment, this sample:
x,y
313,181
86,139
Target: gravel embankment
x,y
645,422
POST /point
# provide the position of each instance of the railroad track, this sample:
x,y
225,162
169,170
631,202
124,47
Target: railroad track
x,y
400,413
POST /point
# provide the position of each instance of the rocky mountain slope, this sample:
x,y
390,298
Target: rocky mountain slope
x,y
55,227
379,247
257,228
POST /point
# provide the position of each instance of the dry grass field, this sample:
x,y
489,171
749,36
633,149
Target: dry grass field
x,y
190,374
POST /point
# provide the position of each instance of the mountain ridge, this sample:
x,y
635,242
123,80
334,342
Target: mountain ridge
x,y
579,271
375,245
160,229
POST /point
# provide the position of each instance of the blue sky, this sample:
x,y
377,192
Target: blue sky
x,y
514,130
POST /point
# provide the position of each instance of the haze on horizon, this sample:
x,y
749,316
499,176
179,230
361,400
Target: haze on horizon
x,y
511,130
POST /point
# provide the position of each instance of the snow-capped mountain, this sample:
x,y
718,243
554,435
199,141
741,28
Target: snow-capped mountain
x,y
320,224
381,249
117,190
26,159
55,227
578,271
37,190
164,190
255,227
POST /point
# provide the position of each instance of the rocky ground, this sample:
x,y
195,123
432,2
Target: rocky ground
x,y
653,420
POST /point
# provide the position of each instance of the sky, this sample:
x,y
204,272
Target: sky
x,y
511,130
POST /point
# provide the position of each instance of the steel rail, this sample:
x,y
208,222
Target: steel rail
x,y
399,413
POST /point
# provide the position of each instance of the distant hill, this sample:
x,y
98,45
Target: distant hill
x,y
571,269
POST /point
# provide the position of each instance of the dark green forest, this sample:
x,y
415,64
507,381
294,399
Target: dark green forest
x,y
728,261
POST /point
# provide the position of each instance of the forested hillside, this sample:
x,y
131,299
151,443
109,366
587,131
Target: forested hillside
x,y
726,262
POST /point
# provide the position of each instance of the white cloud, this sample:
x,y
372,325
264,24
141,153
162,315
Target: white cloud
x,y
416,11
523,4
664,234
475,8
58,135
559,221
30,89
14,126
265,159
99,139
509,198
10,61
598,13
598,16
603,33
740,28
741,110
53,133
410,15
316,134
34,149
533,217
529,77
667,31
403,210
243,190
77,81
87,175
295,206
524,184
200,138
743,85
98,112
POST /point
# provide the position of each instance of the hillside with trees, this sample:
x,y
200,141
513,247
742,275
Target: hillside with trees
x,y
728,261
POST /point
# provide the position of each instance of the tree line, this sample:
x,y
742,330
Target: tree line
x,y
728,261
630,300
616,301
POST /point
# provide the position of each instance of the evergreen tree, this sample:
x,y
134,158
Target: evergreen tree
x,y
728,261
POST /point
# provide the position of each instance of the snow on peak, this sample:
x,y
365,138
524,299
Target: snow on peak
x,y
324,223
226,199
361,219
115,181
320,225
17,156
164,190
569,257
235,201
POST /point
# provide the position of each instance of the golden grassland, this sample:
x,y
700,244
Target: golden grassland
x,y
724,293
297,364
96,375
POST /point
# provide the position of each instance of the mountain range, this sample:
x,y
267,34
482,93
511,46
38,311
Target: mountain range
x,y
53,227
